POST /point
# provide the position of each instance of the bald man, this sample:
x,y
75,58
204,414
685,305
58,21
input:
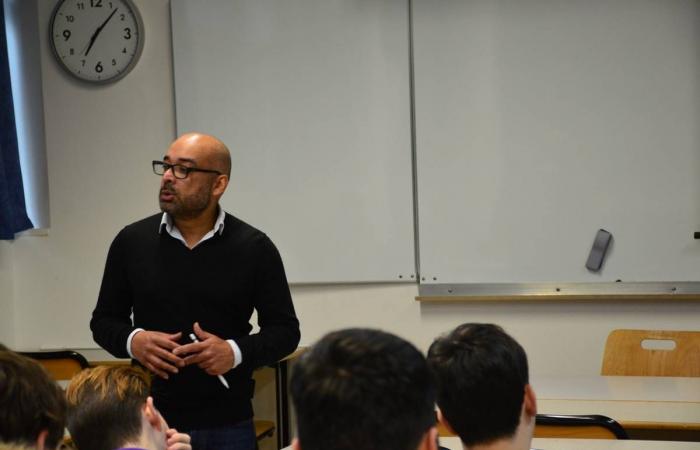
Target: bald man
x,y
194,268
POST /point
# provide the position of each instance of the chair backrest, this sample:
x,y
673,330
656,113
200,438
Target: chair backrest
x,y
578,427
575,427
61,365
626,355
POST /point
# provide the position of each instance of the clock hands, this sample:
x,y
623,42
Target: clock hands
x,y
97,32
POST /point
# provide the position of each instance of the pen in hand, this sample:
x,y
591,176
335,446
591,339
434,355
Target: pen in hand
x,y
221,377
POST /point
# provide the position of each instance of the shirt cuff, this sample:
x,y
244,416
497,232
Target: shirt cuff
x,y
237,355
128,341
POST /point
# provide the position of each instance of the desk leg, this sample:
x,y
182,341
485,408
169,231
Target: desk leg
x,y
282,404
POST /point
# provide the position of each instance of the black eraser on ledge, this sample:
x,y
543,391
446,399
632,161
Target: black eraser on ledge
x,y
696,235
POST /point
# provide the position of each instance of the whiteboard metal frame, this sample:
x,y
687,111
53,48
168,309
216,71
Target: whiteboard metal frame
x,y
559,289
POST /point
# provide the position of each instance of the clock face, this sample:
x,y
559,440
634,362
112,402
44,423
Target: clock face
x,y
96,40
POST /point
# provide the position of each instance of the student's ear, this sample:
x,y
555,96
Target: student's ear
x,y
295,444
152,415
530,401
41,440
445,423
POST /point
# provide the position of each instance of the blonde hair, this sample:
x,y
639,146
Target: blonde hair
x,y
104,406
119,382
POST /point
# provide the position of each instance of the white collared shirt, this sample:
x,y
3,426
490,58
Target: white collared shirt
x,y
167,223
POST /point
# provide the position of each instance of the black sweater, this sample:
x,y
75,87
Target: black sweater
x,y
168,287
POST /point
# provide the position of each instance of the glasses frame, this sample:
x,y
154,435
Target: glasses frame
x,y
167,166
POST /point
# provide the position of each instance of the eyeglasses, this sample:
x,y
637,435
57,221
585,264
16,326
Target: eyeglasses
x,y
179,171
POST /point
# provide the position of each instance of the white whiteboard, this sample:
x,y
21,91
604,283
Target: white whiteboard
x,y
539,122
312,97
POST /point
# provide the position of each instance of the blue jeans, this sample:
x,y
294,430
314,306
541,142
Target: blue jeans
x,y
240,436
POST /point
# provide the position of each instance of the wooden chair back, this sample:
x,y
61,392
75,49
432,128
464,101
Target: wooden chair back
x,y
568,432
443,431
61,365
625,353
573,427
577,427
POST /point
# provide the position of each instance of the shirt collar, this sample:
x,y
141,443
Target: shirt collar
x,y
167,222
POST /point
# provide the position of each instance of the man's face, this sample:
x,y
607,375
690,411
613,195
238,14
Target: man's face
x,y
189,197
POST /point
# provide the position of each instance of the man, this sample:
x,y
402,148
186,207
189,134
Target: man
x,y
484,395
196,269
363,389
32,407
109,408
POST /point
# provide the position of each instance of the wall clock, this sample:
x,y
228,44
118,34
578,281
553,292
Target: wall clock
x,y
97,41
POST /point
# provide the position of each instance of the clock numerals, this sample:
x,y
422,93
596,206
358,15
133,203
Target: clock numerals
x,y
96,40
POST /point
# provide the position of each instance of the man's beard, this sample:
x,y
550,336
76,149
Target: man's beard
x,y
186,208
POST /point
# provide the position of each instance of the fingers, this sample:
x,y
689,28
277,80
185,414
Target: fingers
x,y
201,334
177,441
179,446
156,370
168,356
154,350
194,347
214,371
196,358
164,341
174,437
175,336
159,366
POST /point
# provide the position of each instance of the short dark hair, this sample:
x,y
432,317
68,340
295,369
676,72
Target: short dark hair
x,y
30,402
362,389
481,373
104,406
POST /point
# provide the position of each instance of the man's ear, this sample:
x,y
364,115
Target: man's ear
x,y
41,440
530,401
443,421
152,415
220,185
295,444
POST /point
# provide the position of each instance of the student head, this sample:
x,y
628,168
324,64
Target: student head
x,y
109,407
484,394
363,389
32,406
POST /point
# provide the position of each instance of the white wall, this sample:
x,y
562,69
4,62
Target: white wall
x,y
7,308
100,141
99,144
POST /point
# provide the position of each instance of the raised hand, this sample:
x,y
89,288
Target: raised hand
x,y
154,350
177,441
212,354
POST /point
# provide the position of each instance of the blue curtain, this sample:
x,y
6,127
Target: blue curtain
x,y
13,212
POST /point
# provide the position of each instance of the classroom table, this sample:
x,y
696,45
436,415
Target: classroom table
x,y
647,407
453,443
